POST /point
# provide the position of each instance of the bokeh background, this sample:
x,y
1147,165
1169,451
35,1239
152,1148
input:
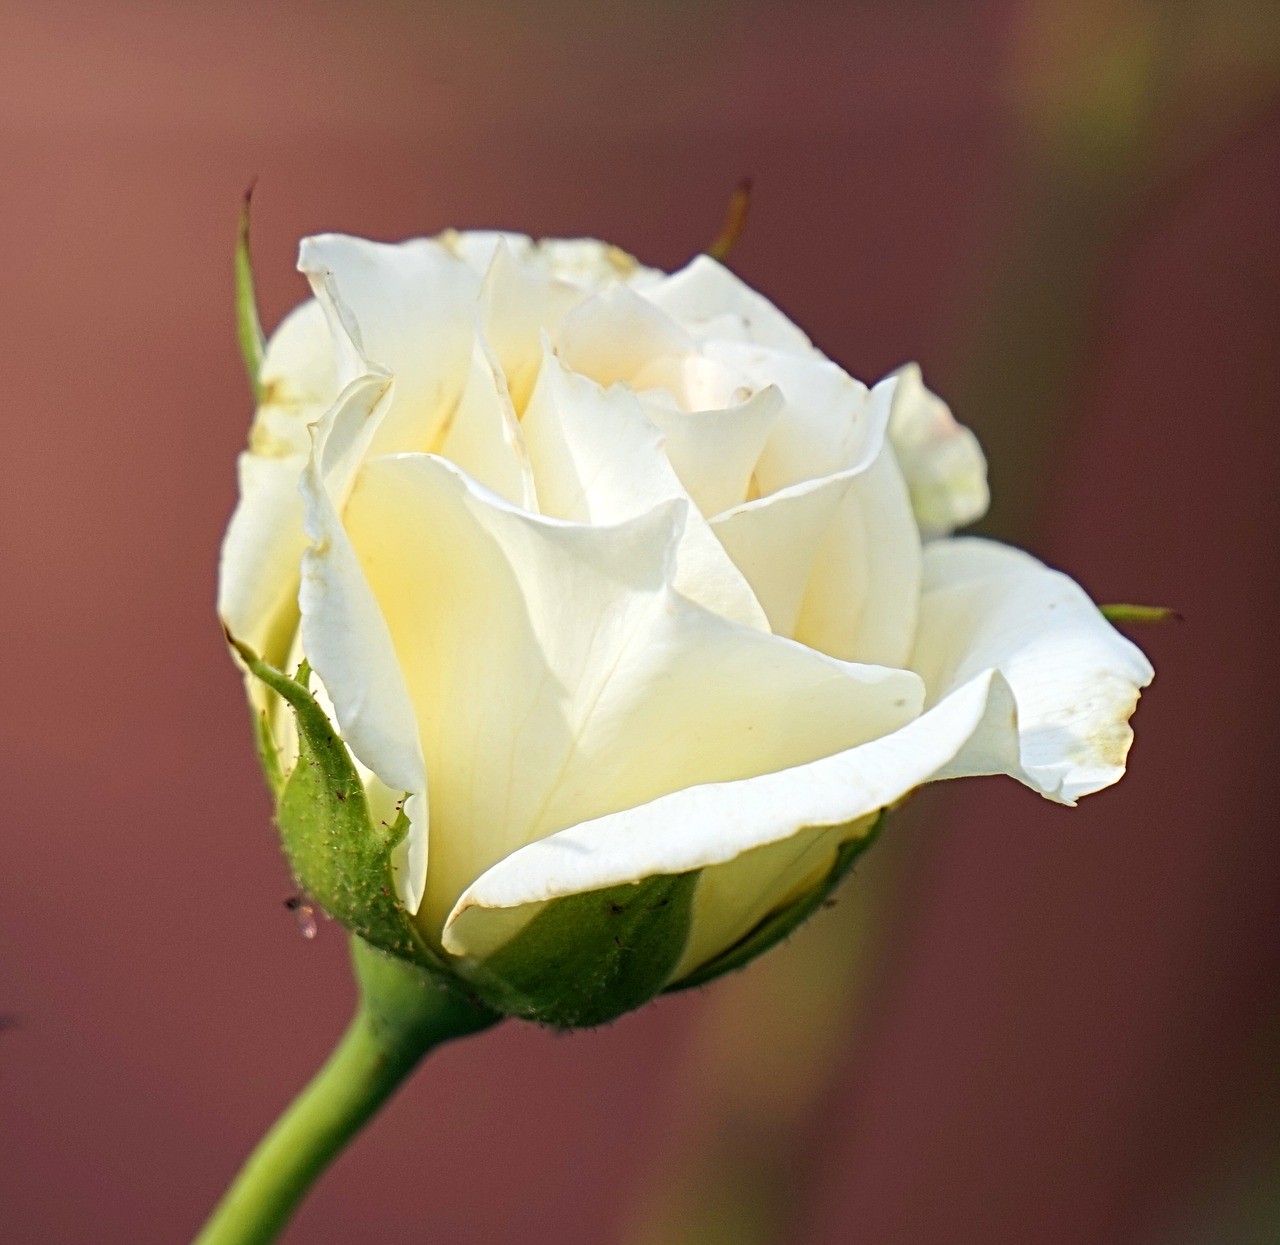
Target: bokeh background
x,y
1021,1023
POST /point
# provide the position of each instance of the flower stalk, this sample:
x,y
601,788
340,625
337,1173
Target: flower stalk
x,y
403,1013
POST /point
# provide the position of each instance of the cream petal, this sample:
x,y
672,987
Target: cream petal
x,y
835,561
598,459
492,656
943,464
715,452
618,335
733,898
406,308
774,541
558,676
298,383
1075,679
710,302
863,594
258,568
346,640
714,823
341,440
585,263
258,572
484,436
519,302
591,264
830,421
478,247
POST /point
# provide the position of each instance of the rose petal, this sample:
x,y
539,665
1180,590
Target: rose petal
x,y
258,568
715,452
598,459
585,263
591,264
835,561
406,308
710,302
774,541
829,423
258,573
863,593
733,898
477,248
1075,679
519,302
560,657
616,334
484,436
711,824
297,381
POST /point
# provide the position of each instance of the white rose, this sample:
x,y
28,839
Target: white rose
x,y
611,575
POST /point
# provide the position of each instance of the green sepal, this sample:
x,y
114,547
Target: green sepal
x,y
774,928
248,326
1139,613
586,959
268,752
338,855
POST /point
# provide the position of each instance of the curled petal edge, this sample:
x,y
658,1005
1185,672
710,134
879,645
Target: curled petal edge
x,y
713,823
1076,679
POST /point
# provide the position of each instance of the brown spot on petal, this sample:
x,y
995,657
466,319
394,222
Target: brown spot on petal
x,y
1108,741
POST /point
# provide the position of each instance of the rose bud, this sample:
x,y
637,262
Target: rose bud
x,y
592,617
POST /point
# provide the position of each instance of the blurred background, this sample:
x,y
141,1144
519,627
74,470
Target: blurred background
x,y
1020,1023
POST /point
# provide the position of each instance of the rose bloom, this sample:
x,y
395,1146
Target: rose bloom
x,y
606,574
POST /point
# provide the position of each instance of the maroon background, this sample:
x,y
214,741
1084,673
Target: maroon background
x,y
1075,1040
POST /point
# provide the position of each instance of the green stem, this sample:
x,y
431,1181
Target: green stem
x,y
402,1014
